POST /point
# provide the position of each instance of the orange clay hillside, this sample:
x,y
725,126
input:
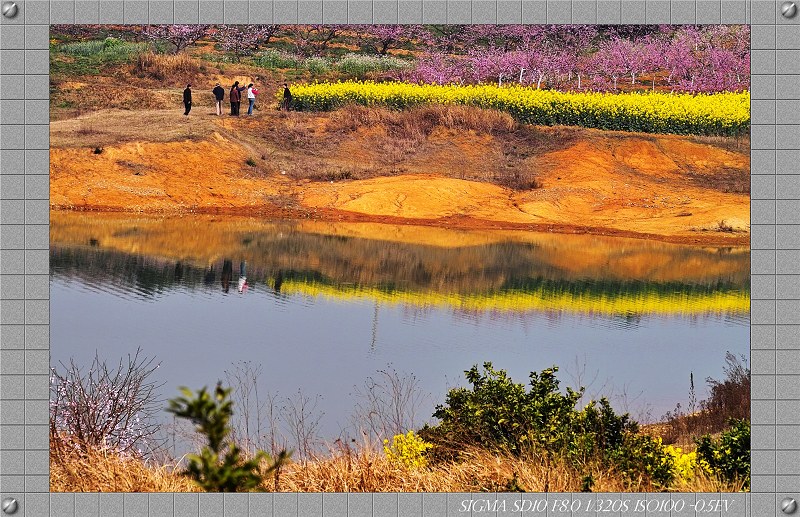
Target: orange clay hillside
x,y
448,166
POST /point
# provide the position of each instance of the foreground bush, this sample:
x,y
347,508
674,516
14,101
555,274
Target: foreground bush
x,y
729,455
500,415
220,466
726,114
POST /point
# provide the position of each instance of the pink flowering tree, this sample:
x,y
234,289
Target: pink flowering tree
x,y
106,406
179,36
314,40
244,40
441,68
383,38
620,57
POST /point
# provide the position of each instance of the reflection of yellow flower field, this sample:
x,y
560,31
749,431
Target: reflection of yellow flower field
x,y
643,302
717,114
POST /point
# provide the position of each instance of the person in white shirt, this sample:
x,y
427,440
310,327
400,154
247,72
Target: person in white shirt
x,y
251,97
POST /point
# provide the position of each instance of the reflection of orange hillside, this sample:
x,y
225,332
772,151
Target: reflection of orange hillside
x,y
681,189
205,239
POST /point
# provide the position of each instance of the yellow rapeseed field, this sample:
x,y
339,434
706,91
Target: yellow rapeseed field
x,y
651,112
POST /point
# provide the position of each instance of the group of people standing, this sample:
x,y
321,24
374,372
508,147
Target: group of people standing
x,y
235,98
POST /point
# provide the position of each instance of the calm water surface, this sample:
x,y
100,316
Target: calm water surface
x,y
327,305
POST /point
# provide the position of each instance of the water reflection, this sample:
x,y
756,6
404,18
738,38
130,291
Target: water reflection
x,y
327,305
506,271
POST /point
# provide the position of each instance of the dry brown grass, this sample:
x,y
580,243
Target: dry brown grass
x,y
479,471
418,123
167,66
114,127
74,469
359,470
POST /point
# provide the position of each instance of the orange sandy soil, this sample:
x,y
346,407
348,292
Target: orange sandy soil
x,y
156,161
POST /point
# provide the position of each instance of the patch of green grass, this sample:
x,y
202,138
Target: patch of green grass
x,y
93,56
358,66
272,59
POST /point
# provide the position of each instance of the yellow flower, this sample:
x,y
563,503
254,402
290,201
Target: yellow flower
x,y
407,450
722,113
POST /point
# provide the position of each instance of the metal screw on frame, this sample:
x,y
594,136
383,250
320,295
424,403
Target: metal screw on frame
x,y
10,9
788,9
788,506
9,503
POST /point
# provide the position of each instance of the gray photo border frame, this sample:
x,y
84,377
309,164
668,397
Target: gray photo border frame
x,y
24,243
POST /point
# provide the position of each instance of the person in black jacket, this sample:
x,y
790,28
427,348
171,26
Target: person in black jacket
x,y
287,98
236,98
187,99
219,95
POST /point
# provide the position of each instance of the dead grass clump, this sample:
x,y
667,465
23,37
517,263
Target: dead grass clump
x,y
419,122
167,66
518,180
86,469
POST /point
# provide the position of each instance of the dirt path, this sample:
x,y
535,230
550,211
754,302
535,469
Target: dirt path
x,y
651,186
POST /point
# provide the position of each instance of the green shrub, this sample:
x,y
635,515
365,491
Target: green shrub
x,y
643,457
110,43
499,414
728,456
220,466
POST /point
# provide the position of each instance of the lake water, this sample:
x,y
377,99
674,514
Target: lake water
x,y
327,305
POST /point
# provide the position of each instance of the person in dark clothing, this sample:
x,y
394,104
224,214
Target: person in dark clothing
x,y
187,99
233,96
287,98
236,98
227,274
210,276
219,95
